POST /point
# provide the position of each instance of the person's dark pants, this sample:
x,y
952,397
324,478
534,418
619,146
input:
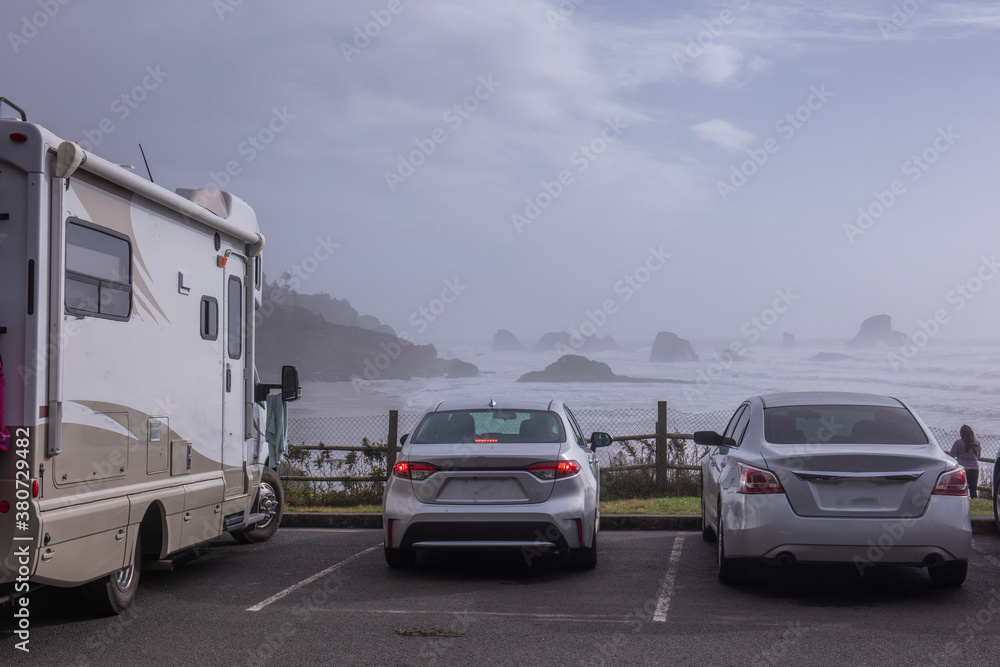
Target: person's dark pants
x,y
972,474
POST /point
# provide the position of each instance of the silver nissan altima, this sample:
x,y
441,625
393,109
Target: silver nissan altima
x,y
833,478
487,474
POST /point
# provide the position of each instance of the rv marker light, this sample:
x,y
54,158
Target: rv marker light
x,y
4,507
19,138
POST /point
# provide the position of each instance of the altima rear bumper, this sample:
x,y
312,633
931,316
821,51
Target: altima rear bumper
x,y
764,526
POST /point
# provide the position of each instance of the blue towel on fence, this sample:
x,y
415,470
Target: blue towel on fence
x,y
276,430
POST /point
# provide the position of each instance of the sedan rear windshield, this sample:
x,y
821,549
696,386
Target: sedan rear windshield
x,y
850,424
487,426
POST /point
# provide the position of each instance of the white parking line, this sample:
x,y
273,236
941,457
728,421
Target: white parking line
x,y
575,618
667,589
291,589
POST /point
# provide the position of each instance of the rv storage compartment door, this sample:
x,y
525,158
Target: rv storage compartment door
x,y
88,541
202,518
95,445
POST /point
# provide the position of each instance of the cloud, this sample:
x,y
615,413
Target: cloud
x,y
724,134
720,63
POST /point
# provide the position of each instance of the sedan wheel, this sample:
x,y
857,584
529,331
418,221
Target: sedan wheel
x,y
584,558
707,533
400,557
996,501
731,571
950,574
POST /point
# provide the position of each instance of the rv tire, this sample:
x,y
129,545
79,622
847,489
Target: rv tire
x,y
111,595
271,500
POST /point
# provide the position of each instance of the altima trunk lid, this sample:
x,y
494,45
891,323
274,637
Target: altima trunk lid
x,y
865,481
483,473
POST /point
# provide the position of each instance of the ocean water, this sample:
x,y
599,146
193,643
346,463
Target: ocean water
x,y
947,383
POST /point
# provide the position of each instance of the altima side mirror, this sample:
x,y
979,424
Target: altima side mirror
x,y
599,439
402,441
712,439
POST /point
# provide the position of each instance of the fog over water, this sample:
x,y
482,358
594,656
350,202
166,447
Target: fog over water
x,y
948,384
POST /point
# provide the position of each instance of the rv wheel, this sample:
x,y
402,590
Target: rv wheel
x,y
111,595
270,501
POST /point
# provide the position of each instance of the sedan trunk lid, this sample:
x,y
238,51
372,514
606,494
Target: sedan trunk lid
x,y
483,473
849,480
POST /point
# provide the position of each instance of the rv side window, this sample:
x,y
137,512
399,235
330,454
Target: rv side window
x,y
234,325
98,271
209,318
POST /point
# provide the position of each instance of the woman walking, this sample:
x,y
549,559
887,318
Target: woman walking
x,y
968,450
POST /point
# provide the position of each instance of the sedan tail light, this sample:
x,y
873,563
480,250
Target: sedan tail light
x,y
952,483
555,469
758,480
417,471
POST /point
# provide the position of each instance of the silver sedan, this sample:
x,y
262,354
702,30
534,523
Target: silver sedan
x,y
500,475
833,478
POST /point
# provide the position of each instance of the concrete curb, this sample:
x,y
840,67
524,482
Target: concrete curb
x,y
688,522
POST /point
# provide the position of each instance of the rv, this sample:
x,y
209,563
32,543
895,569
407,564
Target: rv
x,y
133,410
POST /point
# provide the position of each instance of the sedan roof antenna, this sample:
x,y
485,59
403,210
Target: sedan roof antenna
x,y
493,403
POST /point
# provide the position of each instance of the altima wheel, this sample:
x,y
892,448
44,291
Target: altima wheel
x,y
731,571
996,501
949,574
707,533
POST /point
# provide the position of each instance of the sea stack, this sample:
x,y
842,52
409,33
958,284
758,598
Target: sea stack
x,y
668,346
505,341
877,330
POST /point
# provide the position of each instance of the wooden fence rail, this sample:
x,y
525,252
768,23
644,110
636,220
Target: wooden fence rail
x,y
660,465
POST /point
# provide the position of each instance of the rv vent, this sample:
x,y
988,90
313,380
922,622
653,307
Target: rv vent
x,y
209,199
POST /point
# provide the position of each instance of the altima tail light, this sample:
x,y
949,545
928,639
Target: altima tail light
x,y
952,483
757,480
555,469
417,471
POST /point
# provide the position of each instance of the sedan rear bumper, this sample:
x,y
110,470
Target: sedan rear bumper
x,y
764,526
549,525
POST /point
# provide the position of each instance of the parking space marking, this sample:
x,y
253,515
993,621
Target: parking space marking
x,y
576,618
667,589
305,582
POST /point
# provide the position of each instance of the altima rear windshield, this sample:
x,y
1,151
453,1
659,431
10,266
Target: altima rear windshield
x,y
488,426
851,424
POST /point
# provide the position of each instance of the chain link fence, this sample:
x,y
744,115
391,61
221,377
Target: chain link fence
x,y
345,457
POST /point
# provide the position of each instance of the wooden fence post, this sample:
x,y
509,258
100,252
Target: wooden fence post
x,y
661,446
390,445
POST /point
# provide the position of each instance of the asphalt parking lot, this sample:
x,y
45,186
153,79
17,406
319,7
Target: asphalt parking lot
x,y
325,596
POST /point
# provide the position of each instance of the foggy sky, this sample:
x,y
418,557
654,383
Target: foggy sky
x,y
533,165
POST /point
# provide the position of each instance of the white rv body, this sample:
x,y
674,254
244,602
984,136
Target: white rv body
x,y
129,364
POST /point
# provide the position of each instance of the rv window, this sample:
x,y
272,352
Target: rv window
x,y
98,272
209,318
234,312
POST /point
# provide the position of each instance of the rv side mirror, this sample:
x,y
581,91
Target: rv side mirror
x,y
599,439
289,383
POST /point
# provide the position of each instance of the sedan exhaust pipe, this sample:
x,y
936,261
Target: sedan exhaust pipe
x,y
932,560
786,558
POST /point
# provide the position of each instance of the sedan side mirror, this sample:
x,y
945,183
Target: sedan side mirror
x,y
290,383
599,439
712,439
402,441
